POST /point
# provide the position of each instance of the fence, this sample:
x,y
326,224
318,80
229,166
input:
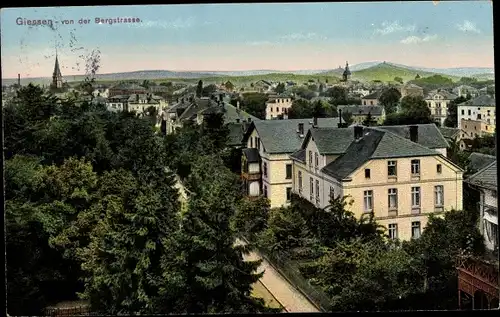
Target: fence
x,y
68,311
291,272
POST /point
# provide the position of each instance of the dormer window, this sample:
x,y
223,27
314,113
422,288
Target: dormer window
x,y
367,173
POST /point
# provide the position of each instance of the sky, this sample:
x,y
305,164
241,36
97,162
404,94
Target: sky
x,y
230,37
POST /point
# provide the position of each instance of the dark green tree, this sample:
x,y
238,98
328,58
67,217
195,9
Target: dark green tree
x,y
199,88
452,117
280,88
389,98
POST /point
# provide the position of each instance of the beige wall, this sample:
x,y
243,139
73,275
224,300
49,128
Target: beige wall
x,y
277,107
369,102
488,114
433,103
476,128
450,178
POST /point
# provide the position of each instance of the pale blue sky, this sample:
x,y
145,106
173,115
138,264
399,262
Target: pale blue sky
x,y
252,36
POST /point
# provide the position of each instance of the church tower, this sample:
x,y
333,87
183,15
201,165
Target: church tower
x,y
57,82
347,73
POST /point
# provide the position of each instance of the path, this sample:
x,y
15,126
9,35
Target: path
x,y
288,296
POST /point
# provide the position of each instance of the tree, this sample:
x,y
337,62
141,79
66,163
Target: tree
x,y
417,77
217,280
280,88
252,216
457,156
347,117
255,104
368,121
414,110
229,85
389,98
300,109
452,117
199,89
338,95
208,90
123,259
146,83
398,79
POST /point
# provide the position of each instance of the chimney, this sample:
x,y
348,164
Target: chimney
x,y
238,104
300,129
19,79
414,133
358,132
315,122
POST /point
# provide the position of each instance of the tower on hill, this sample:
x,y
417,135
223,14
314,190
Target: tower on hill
x,y
347,73
57,82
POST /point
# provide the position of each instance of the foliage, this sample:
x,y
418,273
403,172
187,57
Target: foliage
x,y
208,90
216,280
457,156
369,121
347,117
229,85
255,104
484,144
251,216
280,88
398,79
433,82
303,92
414,110
389,98
199,89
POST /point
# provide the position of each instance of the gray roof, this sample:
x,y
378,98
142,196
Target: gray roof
x,y
479,160
446,94
280,136
357,110
232,113
373,95
236,132
481,101
330,140
429,134
486,178
374,144
449,133
252,155
299,155
197,105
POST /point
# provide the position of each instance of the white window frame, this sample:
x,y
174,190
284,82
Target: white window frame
x,y
439,196
392,164
416,225
415,167
311,188
416,194
368,200
392,229
392,193
300,181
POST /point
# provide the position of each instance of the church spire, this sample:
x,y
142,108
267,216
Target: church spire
x,y
56,75
57,70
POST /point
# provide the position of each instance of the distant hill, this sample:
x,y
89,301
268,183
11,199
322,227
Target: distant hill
x,y
387,72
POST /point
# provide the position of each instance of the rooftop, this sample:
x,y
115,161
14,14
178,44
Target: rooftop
x,y
480,101
479,161
362,110
486,177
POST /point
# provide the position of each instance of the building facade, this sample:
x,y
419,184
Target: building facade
x,y
274,141
438,102
396,179
277,107
481,109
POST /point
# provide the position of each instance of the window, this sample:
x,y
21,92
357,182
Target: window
x,y
489,113
479,116
300,182
393,198
311,188
316,160
367,173
265,191
494,193
439,168
393,230
310,158
463,112
415,167
317,189
257,143
288,194
288,171
392,168
371,102
283,109
468,112
415,230
368,200
265,169
415,197
251,142
438,196
332,193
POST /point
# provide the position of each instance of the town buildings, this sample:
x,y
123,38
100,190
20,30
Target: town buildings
x,y
466,91
438,102
360,113
478,113
371,99
485,181
400,180
411,90
277,106
269,144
